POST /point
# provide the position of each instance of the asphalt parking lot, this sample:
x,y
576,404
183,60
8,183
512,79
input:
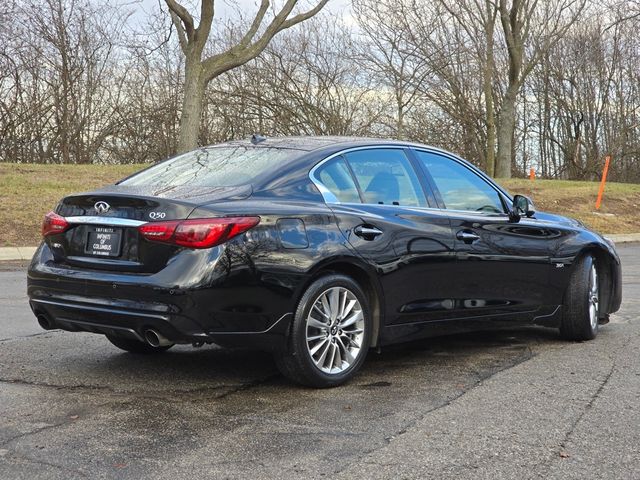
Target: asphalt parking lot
x,y
510,404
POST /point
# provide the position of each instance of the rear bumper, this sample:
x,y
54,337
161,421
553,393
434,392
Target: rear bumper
x,y
84,317
243,314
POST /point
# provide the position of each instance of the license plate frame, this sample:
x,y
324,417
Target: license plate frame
x,y
104,242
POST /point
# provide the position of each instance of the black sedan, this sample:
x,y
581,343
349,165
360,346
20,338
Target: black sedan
x,y
316,249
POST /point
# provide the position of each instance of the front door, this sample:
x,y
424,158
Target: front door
x,y
502,267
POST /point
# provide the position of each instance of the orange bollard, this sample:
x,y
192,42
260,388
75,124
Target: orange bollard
x,y
603,181
532,174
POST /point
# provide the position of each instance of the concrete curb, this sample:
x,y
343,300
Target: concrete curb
x,y
25,253
624,237
17,253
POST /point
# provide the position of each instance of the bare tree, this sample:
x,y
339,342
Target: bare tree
x,y
539,25
390,58
200,71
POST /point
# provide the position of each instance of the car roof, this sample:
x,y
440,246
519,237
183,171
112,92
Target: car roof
x,y
310,143
313,148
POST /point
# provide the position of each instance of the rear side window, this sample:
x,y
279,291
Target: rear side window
x,y
386,177
214,167
335,176
459,187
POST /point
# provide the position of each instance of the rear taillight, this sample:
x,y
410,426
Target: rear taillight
x,y
198,232
53,223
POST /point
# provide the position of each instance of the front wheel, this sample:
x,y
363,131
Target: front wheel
x,y
581,308
330,335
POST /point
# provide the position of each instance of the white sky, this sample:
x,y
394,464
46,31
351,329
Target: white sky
x,y
227,9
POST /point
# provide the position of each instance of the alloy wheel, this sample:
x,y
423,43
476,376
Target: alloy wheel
x,y
593,297
335,330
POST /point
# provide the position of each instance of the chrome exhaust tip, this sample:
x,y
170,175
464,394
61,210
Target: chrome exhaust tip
x,y
44,322
155,339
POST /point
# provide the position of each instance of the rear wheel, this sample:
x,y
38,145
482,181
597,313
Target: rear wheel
x,y
136,346
330,335
581,308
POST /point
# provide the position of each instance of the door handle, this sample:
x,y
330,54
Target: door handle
x,y
367,232
467,236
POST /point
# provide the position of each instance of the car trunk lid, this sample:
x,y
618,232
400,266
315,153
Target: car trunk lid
x,y
103,225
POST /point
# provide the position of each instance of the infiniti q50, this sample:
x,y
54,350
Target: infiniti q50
x,y
316,249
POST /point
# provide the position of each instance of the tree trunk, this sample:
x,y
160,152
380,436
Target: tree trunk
x,y
506,129
490,155
194,86
400,121
489,67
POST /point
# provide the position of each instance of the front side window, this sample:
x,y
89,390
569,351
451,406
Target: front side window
x,y
386,177
460,188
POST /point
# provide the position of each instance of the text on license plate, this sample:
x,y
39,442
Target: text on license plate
x,y
104,241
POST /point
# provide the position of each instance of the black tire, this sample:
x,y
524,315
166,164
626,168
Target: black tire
x,y
136,346
577,324
299,365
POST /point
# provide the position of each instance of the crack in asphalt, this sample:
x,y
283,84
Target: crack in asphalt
x,y
527,354
588,406
32,432
21,337
171,395
29,459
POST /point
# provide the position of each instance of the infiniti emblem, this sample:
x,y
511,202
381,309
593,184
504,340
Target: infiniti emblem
x,y
102,207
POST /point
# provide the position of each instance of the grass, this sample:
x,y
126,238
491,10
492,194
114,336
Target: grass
x,y
618,212
27,192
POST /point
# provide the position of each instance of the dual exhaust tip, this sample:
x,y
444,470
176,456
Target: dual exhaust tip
x,y
156,339
44,322
152,337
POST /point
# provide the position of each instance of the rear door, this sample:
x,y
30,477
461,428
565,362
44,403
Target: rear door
x,y
384,211
502,267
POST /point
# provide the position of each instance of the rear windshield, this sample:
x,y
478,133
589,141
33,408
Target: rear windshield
x,y
213,167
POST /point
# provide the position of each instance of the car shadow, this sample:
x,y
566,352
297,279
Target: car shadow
x,y
186,369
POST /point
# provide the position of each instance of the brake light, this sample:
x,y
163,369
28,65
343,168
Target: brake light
x,y
53,223
197,232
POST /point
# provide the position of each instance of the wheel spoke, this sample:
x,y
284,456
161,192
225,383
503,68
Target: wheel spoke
x,y
337,358
320,362
334,304
318,346
352,342
325,305
350,358
316,337
317,309
315,323
357,316
343,302
355,331
348,308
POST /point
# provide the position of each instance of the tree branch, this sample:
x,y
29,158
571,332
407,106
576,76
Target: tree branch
x,y
303,16
182,13
255,25
182,37
206,18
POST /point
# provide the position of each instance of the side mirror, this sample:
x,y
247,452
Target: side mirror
x,y
522,207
